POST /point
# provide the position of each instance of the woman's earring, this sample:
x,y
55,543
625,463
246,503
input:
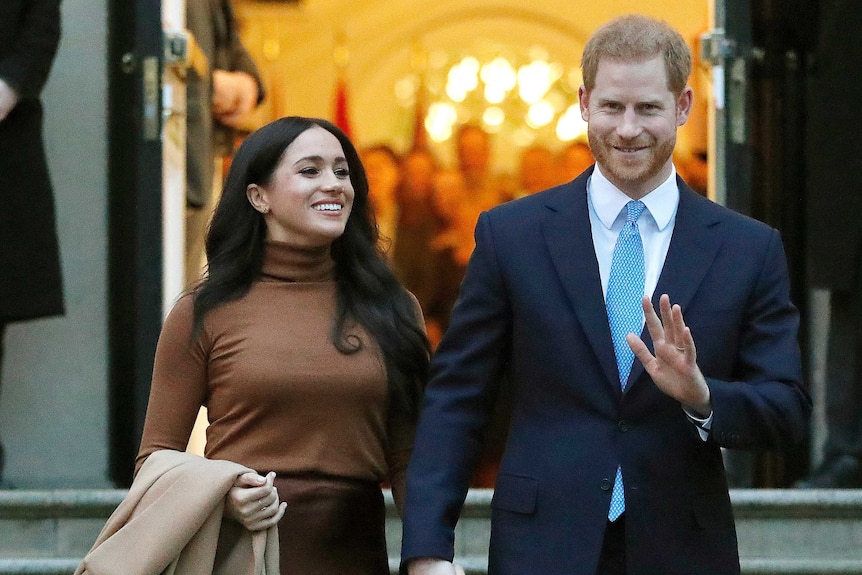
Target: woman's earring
x,y
264,210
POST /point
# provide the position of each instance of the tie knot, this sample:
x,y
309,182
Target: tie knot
x,y
635,209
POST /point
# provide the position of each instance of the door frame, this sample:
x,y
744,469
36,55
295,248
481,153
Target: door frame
x,y
135,221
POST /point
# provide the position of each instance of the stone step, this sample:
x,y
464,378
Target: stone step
x,y
781,532
38,566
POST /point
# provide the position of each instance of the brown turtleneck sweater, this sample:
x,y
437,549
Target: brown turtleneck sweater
x,y
279,396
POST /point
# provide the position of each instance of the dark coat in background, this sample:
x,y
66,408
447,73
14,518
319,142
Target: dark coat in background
x,y
213,25
833,164
30,275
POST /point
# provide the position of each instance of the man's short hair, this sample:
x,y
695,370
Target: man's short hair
x,y
635,38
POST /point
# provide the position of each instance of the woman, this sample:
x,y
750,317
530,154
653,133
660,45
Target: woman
x,y
307,352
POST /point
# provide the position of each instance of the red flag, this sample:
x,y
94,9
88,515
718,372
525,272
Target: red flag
x,y
420,135
342,111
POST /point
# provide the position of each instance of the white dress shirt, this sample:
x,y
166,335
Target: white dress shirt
x,y
608,215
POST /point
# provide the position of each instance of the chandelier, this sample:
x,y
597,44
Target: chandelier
x,y
527,97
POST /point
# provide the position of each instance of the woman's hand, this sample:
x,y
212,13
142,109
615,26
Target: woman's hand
x,y
253,501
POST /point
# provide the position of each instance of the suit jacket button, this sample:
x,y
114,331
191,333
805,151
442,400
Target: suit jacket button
x,y
606,484
623,425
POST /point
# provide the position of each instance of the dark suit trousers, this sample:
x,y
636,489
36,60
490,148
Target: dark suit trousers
x,y
844,374
613,558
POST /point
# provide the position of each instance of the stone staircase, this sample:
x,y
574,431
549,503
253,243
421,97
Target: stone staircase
x,y
781,532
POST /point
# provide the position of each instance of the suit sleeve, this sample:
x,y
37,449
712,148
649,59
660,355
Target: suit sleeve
x,y
767,408
465,376
25,68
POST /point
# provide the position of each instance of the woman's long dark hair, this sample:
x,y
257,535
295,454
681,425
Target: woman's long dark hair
x,y
367,290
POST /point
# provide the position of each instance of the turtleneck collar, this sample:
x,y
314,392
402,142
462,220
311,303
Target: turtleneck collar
x,y
288,263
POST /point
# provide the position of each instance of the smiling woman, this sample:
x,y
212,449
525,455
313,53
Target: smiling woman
x,y
308,200
307,352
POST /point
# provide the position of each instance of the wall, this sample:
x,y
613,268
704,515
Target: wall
x,y
53,413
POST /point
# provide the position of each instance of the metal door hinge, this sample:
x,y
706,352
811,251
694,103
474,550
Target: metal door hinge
x,y
176,48
716,47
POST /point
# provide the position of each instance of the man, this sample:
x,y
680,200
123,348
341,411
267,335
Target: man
x,y
217,102
485,189
30,276
612,465
383,169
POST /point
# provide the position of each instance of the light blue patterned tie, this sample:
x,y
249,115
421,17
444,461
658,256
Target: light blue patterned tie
x,y
625,314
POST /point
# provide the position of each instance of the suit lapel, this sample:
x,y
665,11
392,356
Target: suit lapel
x,y
568,236
693,247
569,240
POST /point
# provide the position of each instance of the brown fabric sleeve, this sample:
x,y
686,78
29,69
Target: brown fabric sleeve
x,y
179,384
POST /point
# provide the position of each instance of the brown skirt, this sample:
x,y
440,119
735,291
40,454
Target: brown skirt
x,y
332,526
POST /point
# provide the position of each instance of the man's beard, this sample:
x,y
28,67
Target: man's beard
x,y
633,174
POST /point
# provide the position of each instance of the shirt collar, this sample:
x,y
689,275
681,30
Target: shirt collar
x,y
608,201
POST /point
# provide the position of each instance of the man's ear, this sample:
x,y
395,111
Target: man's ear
x,y
584,102
257,198
683,105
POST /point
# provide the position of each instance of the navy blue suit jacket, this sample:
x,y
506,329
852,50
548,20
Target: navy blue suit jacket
x,y
531,314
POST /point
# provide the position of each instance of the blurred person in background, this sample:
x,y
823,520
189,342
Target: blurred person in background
x,y
383,168
536,170
216,101
573,160
418,224
485,188
30,275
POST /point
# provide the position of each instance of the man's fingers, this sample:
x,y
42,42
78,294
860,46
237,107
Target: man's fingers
x,y
666,312
679,328
651,320
640,349
688,343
